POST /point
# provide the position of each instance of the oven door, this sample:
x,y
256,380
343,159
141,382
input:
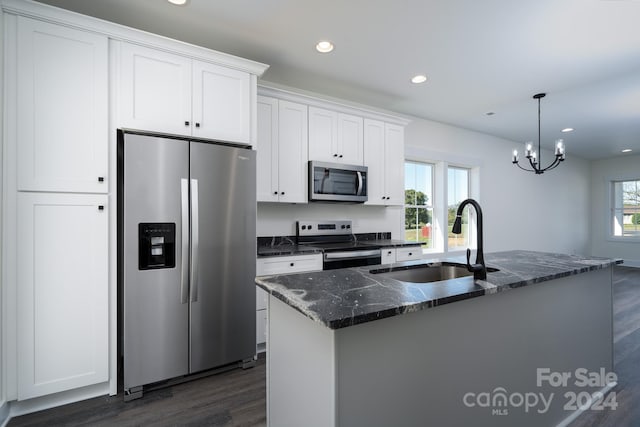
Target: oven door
x,y
357,258
336,182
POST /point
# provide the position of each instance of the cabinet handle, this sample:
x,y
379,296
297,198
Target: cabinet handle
x,y
101,179
100,207
340,156
389,253
291,265
186,123
410,253
275,192
197,124
335,155
282,194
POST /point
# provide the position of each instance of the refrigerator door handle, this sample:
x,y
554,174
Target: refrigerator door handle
x,y
184,266
195,244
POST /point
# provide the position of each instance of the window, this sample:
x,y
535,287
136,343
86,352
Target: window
x,y
458,190
418,203
625,209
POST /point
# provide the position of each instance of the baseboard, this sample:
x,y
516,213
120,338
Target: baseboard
x,y
574,415
29,406
4,414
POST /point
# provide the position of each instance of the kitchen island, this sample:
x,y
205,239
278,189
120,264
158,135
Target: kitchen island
x,y
355,347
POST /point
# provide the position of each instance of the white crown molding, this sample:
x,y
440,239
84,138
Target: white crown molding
x,y
322,101
114,31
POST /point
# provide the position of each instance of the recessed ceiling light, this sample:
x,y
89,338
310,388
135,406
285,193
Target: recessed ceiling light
x,y
178,2
567,130
420,78
627,150
324,46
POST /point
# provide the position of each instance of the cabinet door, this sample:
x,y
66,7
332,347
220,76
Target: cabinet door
x,y
292,152
63,293
323,135
62,108
155,90
350,139
394,164
374,159
221,103
267,150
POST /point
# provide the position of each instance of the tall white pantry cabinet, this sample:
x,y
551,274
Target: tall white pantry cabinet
x,y
68,85
62,274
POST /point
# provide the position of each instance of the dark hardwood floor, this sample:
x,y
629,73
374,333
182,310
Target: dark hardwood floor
x,y
232,398
238,398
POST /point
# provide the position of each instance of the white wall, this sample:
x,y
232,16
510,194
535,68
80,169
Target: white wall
x,y
548,212
604,171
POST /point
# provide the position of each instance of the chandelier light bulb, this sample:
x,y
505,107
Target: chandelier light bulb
x,y
515,156
527,150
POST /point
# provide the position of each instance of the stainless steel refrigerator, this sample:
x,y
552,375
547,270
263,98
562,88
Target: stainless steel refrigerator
x,y
187,225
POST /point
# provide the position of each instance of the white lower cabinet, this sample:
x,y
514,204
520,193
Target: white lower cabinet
x,y
63,261
407,253
278,265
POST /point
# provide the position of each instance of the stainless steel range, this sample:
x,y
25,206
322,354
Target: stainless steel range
x,y
339,245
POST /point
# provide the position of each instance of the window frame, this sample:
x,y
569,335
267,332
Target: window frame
x,y
428,206
611,209
471,218
439,220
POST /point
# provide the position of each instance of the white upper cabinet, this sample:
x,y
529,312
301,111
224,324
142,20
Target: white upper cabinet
x,y
384,157
267,150
335,137
63,295
221,103
282,151
350,139
155,93
164,92
394,163
292,152
62,108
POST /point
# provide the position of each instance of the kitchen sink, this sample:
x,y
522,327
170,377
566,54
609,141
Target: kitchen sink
x,y
427,273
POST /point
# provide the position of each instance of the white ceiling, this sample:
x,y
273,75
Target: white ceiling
x,y
479,56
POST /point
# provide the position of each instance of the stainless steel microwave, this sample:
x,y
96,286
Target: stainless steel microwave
x,y
337,182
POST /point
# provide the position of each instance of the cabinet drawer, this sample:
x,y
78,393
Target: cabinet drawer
x,y
288,264
409,253
388,255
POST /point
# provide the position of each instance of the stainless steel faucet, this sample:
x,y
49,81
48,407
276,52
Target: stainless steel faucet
x,y
479,269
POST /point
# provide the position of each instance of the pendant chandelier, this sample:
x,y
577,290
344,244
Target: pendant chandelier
x,y
535,157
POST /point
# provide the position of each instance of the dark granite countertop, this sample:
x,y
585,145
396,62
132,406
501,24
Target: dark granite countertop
x,y
283,250
350,296
288,247
390,243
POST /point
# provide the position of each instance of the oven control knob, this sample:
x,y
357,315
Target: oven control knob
x,y
348,226
304,227
309,227
343,226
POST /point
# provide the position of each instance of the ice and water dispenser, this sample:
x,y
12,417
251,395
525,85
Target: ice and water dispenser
x,y
156,245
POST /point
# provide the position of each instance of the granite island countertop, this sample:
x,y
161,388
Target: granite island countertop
x,y
350,296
